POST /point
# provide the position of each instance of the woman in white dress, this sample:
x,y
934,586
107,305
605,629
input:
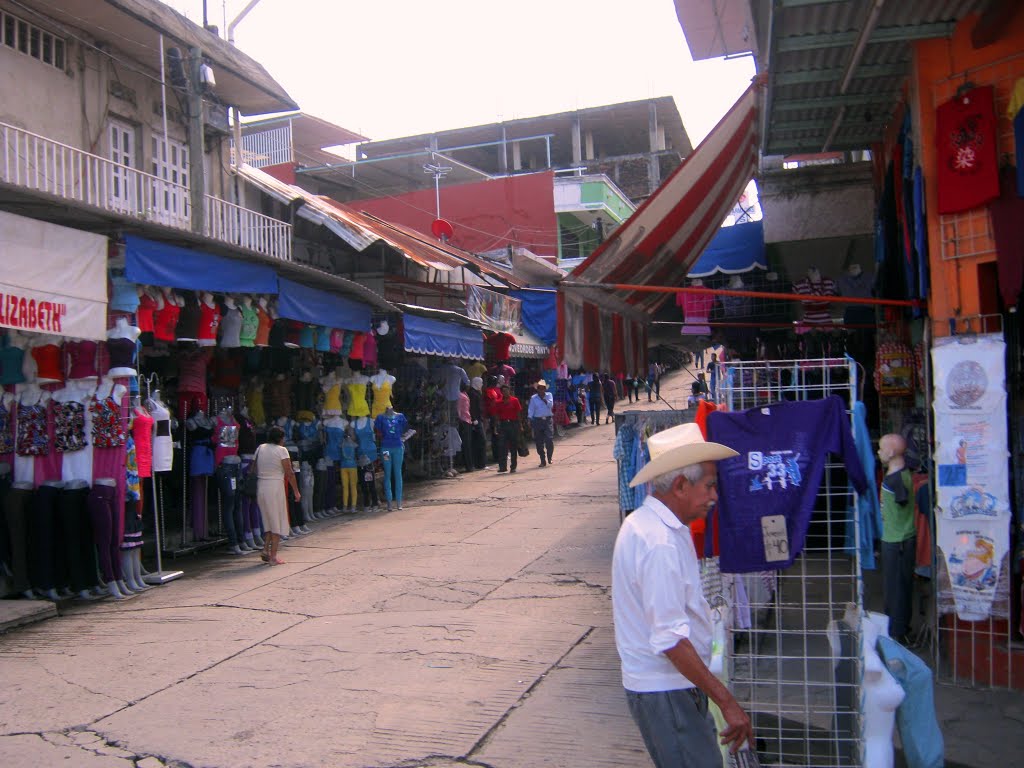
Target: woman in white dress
x,y
273,471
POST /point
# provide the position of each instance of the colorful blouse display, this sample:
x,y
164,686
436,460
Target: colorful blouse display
x,y
69,427
107,428
6,438
33,439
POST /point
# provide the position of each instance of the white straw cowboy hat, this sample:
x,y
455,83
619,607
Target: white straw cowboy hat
x,y
676,448
541,383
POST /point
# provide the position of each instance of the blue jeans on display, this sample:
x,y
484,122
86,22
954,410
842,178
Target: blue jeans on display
x,y
228,480
392,459
898,584
677,728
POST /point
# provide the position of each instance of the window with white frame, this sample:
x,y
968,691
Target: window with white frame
x,y
17,34
170,166
121,144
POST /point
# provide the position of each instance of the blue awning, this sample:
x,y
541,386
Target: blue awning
x,y
437,337
316,307
733,250
539,313
153,263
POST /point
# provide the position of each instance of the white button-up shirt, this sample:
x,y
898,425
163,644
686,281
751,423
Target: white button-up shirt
x,y
657,598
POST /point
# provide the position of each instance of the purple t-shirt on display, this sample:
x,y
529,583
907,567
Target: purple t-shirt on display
x,y
782,457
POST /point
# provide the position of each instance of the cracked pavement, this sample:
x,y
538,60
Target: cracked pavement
x,y
472,628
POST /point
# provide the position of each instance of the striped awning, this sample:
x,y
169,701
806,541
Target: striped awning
x,y
659,243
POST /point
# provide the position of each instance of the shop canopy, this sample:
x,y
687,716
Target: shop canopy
x,y
153,263
429,336
539,313
659,244
734,250
316,307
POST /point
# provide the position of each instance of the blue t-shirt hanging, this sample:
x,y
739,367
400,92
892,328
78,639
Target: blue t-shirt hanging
x,y
348,455
391,429
767,494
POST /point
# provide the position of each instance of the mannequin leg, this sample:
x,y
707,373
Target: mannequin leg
x,y
131,544
198,507
307,486
348,489
331,488
17,505
42,536
388,461
320,490
101,502
397,462
227,481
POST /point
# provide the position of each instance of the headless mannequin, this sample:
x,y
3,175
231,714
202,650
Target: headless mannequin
x,y
122,330
882,695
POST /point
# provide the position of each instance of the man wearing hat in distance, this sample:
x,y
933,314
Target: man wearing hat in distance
x,y
663,623
541,413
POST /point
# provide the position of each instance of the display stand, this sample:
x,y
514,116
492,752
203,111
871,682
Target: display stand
x,y
159,530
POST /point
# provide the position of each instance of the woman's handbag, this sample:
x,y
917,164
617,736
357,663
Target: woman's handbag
x,y
251,482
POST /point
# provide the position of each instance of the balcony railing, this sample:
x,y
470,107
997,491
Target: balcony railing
x,y
34,162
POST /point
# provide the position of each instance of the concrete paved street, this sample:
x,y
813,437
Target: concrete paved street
x,y
471,628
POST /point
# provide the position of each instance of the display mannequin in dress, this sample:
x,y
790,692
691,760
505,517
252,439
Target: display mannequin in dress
x,y
382,383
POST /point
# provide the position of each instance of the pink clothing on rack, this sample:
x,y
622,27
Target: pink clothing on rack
x,y
142,433
370,351
111,462
696,311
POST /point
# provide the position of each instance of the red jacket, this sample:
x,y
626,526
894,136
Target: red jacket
x,y
508,410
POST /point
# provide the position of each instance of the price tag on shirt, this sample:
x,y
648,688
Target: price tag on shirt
x,y
776,539
233,484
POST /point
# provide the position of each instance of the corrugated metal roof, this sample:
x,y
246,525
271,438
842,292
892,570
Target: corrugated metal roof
x,y
811,46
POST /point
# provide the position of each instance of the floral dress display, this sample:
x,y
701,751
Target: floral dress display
x,y
69,427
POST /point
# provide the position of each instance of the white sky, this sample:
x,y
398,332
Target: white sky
x,y
401,67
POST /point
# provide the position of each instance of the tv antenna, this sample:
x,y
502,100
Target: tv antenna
x,y
438,172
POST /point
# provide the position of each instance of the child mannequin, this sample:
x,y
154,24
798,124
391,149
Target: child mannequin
x,y
349,472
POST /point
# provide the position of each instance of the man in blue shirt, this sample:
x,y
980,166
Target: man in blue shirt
x,y
540,411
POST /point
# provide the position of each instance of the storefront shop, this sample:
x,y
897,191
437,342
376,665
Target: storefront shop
x,y
68,506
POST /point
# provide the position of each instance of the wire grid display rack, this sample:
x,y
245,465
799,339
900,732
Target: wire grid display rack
x,y
803,692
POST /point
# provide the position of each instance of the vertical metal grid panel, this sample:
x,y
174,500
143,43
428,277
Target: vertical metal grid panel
x,y
969,233
802,691
988,653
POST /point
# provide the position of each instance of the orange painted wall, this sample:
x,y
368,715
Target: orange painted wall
x,y
940,66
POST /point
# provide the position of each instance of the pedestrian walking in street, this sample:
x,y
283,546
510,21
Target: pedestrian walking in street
x,y
462,408
508,411
610,394
476,413
663,624
713,375
637,383
698,359
541,414
491,399
653,381
595,394
273,473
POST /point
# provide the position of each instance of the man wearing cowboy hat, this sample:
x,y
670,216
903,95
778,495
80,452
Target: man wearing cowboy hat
x,y
541,412
663,623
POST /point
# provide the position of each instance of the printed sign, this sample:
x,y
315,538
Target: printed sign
x,y
495,310
973,518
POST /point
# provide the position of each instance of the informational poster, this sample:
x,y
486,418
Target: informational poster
x,y
971,465
495,310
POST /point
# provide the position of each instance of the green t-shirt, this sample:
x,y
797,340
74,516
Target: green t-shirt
x,y
897,519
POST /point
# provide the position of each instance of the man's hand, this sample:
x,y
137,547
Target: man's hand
x,y
739,730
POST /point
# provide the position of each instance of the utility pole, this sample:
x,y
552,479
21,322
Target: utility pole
x,y
196,148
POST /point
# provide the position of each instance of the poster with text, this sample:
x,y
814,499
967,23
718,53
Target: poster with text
x,y
971,456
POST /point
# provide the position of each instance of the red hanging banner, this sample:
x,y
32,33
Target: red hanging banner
x,y
966,145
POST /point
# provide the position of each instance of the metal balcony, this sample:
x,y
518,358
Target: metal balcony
x,y
33,162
